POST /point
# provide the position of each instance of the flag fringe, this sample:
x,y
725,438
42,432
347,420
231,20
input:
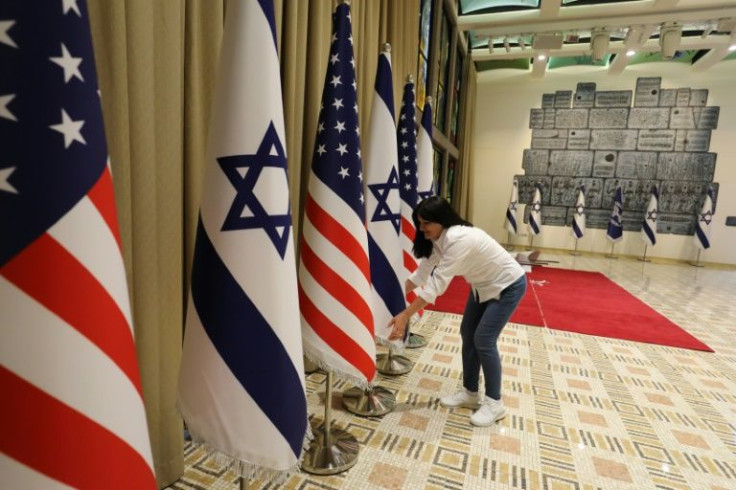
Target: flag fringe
x,y
339,375
396,347
249,470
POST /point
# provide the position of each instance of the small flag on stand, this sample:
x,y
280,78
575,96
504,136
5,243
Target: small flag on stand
x,y
702,225
406,136
578,217
383,204
72,410
615,227
535,215
334,271
649,225
241,382
425,153
511,209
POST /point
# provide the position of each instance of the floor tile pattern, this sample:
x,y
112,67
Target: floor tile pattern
x,y
584,412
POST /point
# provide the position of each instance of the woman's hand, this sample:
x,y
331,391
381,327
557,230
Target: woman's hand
x,y
399,326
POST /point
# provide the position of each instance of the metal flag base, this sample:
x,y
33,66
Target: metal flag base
x,y
415,341
644,258
371,402
575,252
331,451
697,261
393,364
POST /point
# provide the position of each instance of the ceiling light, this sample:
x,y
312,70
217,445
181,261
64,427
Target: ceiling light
x,y
599,40
541,57
506,44
669,40
630,53
732,47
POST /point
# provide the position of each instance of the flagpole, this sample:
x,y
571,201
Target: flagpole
x,y
393,364
331,451
509,245
575,252
697,261
531,242
644,258
610,255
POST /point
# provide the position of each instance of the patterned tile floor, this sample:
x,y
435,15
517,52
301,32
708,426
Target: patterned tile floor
x,y
584,412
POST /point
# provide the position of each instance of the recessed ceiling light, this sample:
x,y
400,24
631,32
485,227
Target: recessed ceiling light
x,y
630,53
732,47
541,57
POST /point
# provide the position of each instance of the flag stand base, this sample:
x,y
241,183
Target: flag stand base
x,y
371,402
331,451
392,364
415,341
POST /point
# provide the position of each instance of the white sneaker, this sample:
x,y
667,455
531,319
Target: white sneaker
x,y
489,413
462,398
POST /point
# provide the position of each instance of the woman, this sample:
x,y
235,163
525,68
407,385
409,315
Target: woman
x,y
449,246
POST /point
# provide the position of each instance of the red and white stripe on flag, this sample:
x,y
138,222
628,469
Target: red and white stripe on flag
x,y
76,416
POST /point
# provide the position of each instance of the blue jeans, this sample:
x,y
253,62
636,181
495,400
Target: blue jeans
x,y
480,327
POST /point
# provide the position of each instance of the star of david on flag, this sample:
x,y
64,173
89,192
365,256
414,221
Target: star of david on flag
x,y
241,383
334,270
615,225
649,224
701,238
72,411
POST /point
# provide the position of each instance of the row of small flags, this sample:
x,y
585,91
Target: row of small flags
x,y
241,386
614,231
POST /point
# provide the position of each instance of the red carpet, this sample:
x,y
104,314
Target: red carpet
x,y
582,302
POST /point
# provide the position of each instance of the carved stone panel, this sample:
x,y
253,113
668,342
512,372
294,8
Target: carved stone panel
x,y
604,163
527,185
548,101
578,139
682,197
551,215
572,118
565,191
549,119
585,87
535,162
613,139
686,166
682,118
656,140
578,163
649,118
698,97
613,98
555,143
683,97
536,119
563,99
647,91
676,224
667,97
636,165
607,118
697,140
583,99
706,117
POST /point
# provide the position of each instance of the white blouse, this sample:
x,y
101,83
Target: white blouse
x,y
469,252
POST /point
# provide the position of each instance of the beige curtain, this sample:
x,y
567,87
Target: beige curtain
x,y
156,63
467,115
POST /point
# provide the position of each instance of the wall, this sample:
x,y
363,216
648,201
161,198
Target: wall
x,y
504,100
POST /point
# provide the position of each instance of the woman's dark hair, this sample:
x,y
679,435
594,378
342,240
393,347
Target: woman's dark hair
x,y
437,210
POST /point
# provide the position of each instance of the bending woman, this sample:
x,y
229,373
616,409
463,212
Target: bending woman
x,y
449,246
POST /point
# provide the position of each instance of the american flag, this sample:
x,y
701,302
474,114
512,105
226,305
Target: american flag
x,y
334,271
241,382
406,136
535,215
704,218
649,225
511,209
578,216
383,204
73,413
425,153
615,228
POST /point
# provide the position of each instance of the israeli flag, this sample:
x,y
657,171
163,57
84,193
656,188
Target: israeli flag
x,y
241,382
535,215
383,204
705,217
511,209
615,225
578,217
649,225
